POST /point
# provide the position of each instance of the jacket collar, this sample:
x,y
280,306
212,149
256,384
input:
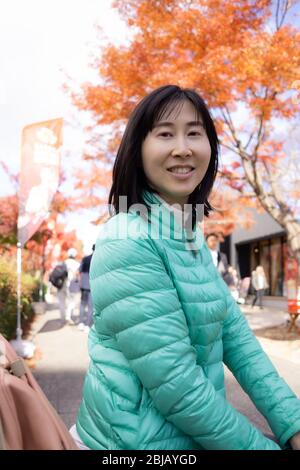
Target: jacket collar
x,y
166,221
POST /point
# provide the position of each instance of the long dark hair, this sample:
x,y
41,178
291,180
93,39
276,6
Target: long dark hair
x,y
128,174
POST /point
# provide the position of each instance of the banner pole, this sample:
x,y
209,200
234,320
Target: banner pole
x,y
39,179
19,291
41,291
23,348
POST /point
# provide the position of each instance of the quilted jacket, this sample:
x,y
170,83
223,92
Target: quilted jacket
x,y
164,324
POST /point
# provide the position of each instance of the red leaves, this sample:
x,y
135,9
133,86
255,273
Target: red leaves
x,y
50,233
235,165
8,215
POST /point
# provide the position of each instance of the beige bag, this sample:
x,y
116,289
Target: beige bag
x,y
27,420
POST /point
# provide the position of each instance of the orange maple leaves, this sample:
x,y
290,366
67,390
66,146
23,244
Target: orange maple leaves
x,y
229,51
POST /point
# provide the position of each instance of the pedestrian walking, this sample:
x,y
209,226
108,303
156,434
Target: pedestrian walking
x,y
86,308
164,319
244,289
234,284
68,294
260,284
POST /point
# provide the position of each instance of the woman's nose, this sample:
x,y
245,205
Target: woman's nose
x,y
181,148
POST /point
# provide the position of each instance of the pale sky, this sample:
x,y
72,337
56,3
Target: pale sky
x,y
39,39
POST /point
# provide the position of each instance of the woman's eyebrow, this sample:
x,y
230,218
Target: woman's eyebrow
x,y
166,123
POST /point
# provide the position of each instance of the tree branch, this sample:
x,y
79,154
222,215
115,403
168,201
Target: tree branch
x,y
236,141
259,138
274,185
284,9
249,140
230,148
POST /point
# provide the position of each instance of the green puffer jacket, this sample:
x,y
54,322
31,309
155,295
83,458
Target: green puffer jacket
x,y
164,323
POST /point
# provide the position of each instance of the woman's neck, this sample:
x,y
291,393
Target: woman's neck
x,y
174,206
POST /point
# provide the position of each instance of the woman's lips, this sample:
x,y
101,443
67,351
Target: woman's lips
x,y
181,176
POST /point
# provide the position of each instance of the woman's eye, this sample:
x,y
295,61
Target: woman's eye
x,y
168,134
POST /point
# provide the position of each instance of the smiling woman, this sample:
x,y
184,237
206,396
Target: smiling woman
x,y
169,128
164,319
176,154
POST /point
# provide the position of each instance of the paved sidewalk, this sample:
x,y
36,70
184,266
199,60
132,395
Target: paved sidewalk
x,y
63,364
64,361
267,318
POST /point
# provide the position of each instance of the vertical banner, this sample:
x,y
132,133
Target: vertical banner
x,y
39,174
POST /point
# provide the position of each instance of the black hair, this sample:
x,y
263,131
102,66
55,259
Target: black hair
x,y
212,235
128,177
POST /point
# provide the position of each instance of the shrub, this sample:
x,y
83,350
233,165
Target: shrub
x,y
8,297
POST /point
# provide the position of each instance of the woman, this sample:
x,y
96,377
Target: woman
x,y
164,320
259,283
234,284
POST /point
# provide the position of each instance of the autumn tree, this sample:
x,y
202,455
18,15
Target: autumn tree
x,y
242,57
8,220
48,245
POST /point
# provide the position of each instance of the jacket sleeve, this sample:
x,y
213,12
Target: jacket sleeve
x,y
141,308
257,376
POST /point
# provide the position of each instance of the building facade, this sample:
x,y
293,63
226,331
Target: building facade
x,y
263,244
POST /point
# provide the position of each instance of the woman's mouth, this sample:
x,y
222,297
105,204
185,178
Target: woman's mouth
x,y
181,172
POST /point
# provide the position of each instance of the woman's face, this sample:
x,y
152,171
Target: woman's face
x,y
176,155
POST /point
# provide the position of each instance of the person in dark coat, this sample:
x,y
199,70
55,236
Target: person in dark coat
x,y
86,308
219,258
